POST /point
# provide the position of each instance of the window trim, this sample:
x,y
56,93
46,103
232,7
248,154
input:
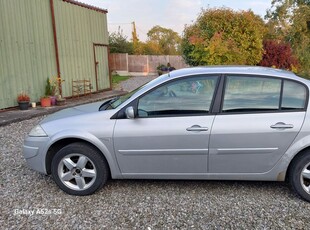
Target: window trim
x,y
279,110
135,103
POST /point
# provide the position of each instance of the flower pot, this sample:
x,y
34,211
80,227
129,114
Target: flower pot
x,y
53,100
23,105
61,101
45,102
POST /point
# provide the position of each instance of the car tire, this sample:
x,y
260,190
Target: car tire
x,y
299,175
79,169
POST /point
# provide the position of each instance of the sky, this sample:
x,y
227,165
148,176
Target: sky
x,y
172,14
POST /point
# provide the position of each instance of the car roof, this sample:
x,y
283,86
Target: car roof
x,y
251,70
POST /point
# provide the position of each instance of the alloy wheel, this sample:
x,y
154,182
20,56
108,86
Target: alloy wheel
x,y
77,172
305,178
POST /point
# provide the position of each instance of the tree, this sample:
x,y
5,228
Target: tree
x,y
281,10
280,15
163,41
152,48
291,20
118,43
278,54
224,36
299,37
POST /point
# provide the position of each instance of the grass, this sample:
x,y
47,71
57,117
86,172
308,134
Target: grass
x,y
116,79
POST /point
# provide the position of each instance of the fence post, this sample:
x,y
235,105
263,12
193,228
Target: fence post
x,y
127,64
147,64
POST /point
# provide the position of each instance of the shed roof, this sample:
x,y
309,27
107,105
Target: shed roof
x,y
87,6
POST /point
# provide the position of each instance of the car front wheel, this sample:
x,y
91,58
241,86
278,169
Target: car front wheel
x,y
299,175
79,169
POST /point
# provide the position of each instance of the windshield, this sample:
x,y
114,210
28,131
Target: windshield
x,y
120,100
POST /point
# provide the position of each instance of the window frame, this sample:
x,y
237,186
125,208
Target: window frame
x,y
135,103
279,110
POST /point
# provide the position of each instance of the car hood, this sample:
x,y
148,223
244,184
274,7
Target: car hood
x,y
74,111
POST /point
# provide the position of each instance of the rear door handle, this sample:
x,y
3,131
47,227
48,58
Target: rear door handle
x,y
197,128
281,125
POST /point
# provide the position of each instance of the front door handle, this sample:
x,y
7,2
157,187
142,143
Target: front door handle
x,y
197,128
281,125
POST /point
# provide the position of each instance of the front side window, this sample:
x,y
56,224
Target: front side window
x,y
188,96
250,93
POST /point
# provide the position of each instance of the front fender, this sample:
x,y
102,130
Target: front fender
x,y
104,144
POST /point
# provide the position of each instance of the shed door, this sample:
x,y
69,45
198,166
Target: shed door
x,y
102,67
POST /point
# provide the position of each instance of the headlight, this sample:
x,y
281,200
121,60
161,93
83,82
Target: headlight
x,y
37,132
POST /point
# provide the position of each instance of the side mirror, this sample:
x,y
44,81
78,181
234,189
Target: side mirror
x,y
130,113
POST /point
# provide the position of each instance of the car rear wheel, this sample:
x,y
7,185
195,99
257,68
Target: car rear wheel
x,y
78,169
299,176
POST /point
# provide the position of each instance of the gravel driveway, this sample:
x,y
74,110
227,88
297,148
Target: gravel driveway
x,y
31,200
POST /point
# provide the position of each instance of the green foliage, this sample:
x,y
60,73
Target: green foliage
x,y
116,79
281,10
163,41
289,20
280,16
299,36
118,43
48,88
151,48
223,36
139,48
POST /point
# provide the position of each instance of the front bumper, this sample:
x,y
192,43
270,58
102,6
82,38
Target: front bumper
x,y
34,150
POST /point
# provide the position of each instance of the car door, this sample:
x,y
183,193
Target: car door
x,y
259,119
170,134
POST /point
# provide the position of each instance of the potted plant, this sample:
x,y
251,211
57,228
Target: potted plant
x,y
60,100
54,87
45,101
23,100
50,92
161,69
48,88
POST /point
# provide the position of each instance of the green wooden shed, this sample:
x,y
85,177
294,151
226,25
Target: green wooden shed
x,y
42,39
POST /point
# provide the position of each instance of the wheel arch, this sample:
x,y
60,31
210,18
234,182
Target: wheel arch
x,y
296,156
59,144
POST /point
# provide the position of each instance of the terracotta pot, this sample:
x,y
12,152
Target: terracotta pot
x,y
45,102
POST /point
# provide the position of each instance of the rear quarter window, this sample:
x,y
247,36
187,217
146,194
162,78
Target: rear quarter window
x,y
294,96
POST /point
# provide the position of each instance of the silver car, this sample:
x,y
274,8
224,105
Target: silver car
x,y
213,123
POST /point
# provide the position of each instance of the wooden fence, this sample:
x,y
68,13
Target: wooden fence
x,y
125,64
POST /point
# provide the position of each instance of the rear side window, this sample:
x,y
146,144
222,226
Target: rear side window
x,y
294,96
254,94
250,93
